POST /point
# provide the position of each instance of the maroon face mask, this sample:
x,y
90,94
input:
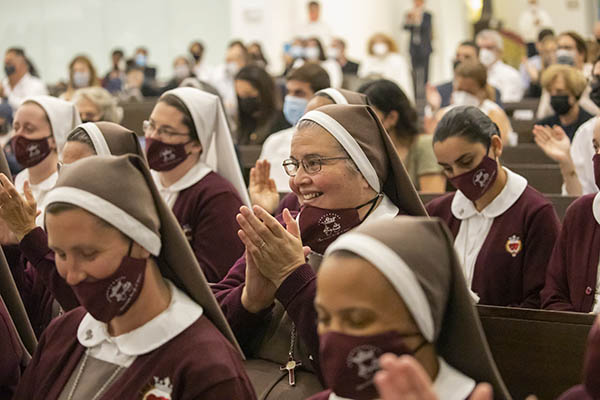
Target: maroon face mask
x,y
164,157
473,184
29,152
319,227
596,161
112,296
591,363
348,363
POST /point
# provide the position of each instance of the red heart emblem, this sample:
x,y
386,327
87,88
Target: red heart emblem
x,y
514,246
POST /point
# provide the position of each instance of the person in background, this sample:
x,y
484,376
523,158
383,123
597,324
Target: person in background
x,y
293,54
313,52
97,104
315,27
419,23
337,51
531,22
140,57
6,118
20,81
199,67
114,79
82,74
256,55
259,109
133,84
565,85
181,71
531,68
500,75
399,118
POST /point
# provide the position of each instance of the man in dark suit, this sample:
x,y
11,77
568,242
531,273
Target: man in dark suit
x,y
419,23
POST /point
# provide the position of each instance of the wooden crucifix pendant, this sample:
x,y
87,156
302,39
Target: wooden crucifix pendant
x,y
290,367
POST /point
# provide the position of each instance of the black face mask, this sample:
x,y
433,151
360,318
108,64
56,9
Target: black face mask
x,y
9,69
560,104
249,105
196,57
595,93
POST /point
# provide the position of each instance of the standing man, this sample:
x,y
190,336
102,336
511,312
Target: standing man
x,y
419,23
337,51
531,21
19,82
315,26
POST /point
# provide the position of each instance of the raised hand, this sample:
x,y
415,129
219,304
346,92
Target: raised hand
x,y
553,141
18,212
261,188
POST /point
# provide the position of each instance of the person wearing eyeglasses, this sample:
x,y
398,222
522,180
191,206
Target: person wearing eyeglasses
x,y
345,169
193,162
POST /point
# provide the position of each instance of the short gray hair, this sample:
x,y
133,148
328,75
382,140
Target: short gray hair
x,y
489,34
105,102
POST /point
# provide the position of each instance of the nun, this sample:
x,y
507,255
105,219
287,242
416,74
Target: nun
x,y
194,165
416,304
263,182
41,126
344,168
35,272
504,229
572,280
147,312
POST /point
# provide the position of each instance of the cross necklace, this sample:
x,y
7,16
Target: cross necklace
x,y
291,364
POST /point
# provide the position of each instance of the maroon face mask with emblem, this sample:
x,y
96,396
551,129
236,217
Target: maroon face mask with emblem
x,y
319,227
164,157
348,362
473,184
107,298
29,152
596,161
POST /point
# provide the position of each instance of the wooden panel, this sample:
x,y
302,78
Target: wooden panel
x,y
134,114
544,177
536,351
524,104
248,155
526,153
524,129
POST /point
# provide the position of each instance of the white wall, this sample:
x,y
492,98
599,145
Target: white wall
x,y
53,31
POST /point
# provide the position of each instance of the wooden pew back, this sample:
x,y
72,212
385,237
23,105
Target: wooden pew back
x,y
525,153
134,114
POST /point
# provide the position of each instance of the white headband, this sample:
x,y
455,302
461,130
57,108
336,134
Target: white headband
x,y
107,211
336,95
97,138
349,144
397,272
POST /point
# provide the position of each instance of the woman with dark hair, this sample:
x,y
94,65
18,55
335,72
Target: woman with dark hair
x,y
504,229
256,55
258,106
314,52
399,118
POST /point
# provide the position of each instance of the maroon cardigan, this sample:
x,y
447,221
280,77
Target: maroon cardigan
x,y
499,278
12,354
571,278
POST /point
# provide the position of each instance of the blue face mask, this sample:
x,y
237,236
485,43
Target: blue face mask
x,y
293,108
140,59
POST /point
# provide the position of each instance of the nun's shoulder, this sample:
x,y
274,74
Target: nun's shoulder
x,y
65,326
582,207
441,206
210,186
532,201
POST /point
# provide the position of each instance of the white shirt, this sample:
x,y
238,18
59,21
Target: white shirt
x,y
334,70
38,190
528,27
506,79
449,384
582,152
193,176
276,149
392,66
224,83
318,29
122,350
476,225
27,86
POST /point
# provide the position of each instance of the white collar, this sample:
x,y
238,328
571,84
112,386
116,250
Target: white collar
x,y
596,207
193,176
385,210
44,185
451,384
181,313
463,208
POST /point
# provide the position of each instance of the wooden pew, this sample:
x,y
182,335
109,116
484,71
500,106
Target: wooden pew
x,y
544,177
526,153
524,129
536,351
524,104
560,203
248,155
134,114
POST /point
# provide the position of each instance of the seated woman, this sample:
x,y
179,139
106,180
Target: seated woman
x,y
35,273
314,52
97,104
135,275
82,74
400,121
259,108
572,280
504,229
565,84
194,165
416,303
345,169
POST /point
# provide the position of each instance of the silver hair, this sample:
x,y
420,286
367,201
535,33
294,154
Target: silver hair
x,y
105,102
489,34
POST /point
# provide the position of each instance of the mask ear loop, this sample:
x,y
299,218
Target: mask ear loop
x,y
130,247
373,203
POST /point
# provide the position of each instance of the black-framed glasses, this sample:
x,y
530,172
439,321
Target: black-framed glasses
x,y
311,164
149,127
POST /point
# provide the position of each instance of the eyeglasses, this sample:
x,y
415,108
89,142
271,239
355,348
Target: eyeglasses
x,y
311,164
149,127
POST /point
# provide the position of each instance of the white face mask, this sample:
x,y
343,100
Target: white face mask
x,y
333,52
487,57
182,71
566,57
232,68
312,53
461,98
380,49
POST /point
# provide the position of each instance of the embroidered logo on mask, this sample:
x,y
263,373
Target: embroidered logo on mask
x,y
514,245
160,389
366,359
481,178
330,225
119,290
33,150
167,155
